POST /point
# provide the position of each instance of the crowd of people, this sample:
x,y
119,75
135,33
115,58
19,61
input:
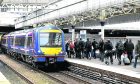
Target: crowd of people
x,y
80,49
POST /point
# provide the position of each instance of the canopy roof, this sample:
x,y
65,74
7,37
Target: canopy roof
x,y
13,9
26,1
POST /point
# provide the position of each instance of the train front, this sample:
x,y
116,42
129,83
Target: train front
x,y
51,44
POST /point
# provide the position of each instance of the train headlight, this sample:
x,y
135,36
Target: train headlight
x,y
62,52
39,51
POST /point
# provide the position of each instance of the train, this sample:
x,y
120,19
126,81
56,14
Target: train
x,y
38,46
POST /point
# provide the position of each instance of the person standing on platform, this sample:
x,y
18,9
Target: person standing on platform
x,y
68,48
137,52
119,50
108,52
101,49
129,49
88,47
76,47
81,48
94,46
125,45
71,48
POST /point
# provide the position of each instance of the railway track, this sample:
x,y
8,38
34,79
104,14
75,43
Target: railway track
x,y
103,76
80,74
30,68
61,77
20,75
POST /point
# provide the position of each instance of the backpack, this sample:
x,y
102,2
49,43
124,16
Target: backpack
x,y
71,45
96,45
109,46
120,46
81,45
88,44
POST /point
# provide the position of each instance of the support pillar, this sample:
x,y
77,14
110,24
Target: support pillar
x,y
73,33
102,32
102,29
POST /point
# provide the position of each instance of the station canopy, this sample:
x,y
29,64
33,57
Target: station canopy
x,y
18,8
13,9
26,1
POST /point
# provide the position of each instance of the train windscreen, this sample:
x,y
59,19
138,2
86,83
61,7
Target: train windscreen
x,y
48,39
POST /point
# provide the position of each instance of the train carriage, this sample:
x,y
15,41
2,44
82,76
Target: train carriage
x,y
42,45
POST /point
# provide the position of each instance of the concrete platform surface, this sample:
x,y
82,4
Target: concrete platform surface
x,y
3,79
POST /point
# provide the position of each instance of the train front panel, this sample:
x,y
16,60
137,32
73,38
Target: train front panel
x,y
50,45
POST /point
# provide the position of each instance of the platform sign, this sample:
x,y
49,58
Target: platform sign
x,y
83,35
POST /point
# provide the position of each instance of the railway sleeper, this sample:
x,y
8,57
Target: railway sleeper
x,y
97,75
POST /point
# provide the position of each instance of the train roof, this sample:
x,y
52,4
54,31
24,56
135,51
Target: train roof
x,y
28,31
21,32
49,26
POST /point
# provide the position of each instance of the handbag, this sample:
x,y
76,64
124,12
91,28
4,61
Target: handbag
x,y
126,61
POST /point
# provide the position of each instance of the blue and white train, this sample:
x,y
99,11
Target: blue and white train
x,y
43,45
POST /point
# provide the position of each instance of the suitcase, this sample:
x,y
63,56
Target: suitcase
x,y
98,54
126,61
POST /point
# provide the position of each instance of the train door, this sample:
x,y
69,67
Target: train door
x,y
30,46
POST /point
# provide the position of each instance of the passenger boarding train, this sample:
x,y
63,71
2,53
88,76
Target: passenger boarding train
x,y
43,45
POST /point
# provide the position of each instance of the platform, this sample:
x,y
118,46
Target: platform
x,y
3,79
120,69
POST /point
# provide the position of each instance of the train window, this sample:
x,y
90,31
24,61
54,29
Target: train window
x,y
16,42
4,41
20,41
11,40
50,39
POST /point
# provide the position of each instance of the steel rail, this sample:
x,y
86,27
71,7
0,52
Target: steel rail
x,y
75,78
42,72
102,75
49,75
18,73
60,72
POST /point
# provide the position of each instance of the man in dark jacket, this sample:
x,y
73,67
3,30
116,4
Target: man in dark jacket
x,y
76,44
68,48
120,50
94,45
101,49
81,48
129,49
137,51
108,48
125,45
88,48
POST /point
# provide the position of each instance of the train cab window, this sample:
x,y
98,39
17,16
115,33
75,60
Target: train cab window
x,y
29,42
50,39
